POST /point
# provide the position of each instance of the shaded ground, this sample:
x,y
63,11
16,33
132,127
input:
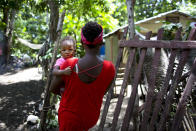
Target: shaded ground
x,y
20,95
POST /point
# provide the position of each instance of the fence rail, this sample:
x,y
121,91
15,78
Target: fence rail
x,y
157,106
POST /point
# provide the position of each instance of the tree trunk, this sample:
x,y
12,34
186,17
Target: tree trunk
x,y
131,27
5,18
9,32
5,45
54,17
130,10
3,50
47,93
8,19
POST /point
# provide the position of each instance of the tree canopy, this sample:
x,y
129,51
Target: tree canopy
x,y
33,16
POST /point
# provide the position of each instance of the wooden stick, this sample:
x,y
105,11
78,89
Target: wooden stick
x,y
124,85
165,86
137,74
169,99
109,96
158,44
183,101
49,78
150,94
189,119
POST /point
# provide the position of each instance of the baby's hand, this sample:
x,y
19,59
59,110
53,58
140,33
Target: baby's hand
x,y
67,71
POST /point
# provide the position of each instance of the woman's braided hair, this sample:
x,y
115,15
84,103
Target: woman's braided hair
x,y
91,30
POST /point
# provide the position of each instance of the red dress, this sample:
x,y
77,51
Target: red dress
x,y
81,102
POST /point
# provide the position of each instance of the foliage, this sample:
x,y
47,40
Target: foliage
x,y
148,8
119,11
32,20
190,8
28,25
2,25
33,17
98,10
53,121
48,53
8,5
13,4
170,30
32,27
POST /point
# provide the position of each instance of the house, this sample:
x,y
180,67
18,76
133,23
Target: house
x,y
156,22
150,24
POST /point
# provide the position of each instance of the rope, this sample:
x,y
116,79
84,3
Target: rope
x,y
85,70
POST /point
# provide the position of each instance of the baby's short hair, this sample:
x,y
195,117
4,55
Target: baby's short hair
x,y
69,38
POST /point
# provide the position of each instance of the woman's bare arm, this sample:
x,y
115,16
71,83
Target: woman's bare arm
x,y
109,86
55,70
55,84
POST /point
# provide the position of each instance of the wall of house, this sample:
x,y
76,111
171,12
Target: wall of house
x,y
111,48
184,20
152,25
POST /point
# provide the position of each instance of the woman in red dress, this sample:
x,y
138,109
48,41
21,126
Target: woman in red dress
x,y
84,89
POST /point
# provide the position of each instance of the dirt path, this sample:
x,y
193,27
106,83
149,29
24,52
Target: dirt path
x,y
19,96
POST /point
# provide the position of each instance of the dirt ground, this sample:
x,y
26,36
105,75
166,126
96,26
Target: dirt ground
x,y
20,95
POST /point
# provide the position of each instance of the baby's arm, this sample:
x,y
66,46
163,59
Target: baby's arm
x,y
57,72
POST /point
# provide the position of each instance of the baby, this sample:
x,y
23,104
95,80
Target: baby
x,y
68,45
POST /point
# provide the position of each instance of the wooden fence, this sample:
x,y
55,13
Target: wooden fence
x,y
156,114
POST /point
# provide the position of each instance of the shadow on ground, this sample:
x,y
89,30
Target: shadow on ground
x,y
17,101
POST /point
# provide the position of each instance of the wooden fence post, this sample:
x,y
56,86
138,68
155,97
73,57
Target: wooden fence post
x,y
165,86
137,74
181,108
